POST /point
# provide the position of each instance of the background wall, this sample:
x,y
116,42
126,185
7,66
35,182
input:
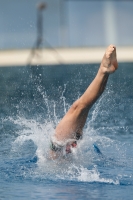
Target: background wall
x,y
66,23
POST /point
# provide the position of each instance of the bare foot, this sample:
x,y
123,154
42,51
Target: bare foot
x,y
109,62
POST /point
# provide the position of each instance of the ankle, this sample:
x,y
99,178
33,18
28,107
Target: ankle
x,y
103,71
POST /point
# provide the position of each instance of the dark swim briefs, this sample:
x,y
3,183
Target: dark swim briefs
x,y
65,147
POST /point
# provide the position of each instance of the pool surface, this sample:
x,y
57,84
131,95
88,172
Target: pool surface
x,y
32,101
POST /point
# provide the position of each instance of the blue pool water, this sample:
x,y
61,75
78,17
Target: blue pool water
x,y
32,101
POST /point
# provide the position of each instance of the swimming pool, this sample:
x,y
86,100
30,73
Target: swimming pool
x,y
33,99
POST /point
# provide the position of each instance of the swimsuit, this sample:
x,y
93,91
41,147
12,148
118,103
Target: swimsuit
x,y
64,147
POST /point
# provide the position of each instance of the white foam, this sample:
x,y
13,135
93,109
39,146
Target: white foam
x,y
93,175
74,167
78,166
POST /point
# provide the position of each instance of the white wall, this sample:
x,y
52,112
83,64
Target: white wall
x,y
67,23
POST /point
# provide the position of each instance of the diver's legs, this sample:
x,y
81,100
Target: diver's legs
x,y
74,120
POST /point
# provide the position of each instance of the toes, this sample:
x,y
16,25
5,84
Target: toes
x,y
112,47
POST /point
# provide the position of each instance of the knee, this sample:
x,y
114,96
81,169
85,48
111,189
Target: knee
x,y
78,105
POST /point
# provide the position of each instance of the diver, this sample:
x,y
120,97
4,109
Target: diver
x,y
70,128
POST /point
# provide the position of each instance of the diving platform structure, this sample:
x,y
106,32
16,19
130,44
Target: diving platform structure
x,y
57,56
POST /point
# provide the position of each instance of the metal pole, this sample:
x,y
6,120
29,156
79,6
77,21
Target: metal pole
x,y
109,23
39,40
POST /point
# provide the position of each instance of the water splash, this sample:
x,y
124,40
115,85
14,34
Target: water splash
x,y
79,166
33,139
